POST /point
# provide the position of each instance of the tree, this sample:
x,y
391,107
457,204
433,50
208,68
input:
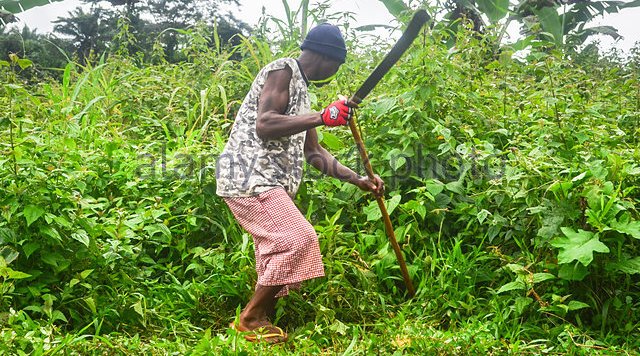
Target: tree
x,y
181,14
168,15
565,22
43,50
562,22
86,30
148,21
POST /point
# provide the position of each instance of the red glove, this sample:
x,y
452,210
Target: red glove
x,y
337,113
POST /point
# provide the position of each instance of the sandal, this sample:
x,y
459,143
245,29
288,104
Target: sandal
x,y
270,333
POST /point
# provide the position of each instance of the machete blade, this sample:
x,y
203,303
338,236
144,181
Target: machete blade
x,y
412,31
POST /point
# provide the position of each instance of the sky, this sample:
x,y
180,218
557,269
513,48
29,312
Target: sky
x,y
365,12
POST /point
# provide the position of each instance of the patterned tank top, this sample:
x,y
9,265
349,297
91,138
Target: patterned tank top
x,y
249,165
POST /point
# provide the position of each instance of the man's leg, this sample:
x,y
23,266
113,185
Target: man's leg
x,y
259,308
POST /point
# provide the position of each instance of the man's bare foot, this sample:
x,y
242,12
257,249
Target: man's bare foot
x,y
250,321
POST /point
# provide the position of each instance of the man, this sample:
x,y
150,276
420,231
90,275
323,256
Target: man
x,y
261,167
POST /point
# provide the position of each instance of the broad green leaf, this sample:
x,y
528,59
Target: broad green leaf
x,y
62,221
138,308
373,211
522,43
579,177
456,187
195,266
56,260
332,141
434,186
392,203
6,235
634,3
482,215
70,143
564,187
17,6
602,30
158,228
135,221
162,229
630,228
366,28
576,305
32,213
515,285
630,266
339,327
578,246
421,210
551,23
57,315
395,7
550,225
34,308
8,254
541,277
572,272
91,304
24,63
383,107
494,9
397,162
30,248
396,158
11,274
81,236
414,206
515,268
50,232
521,303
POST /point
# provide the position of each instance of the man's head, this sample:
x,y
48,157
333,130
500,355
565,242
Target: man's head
x,y
326,42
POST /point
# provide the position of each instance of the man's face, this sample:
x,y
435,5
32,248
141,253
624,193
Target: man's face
x,y
327,71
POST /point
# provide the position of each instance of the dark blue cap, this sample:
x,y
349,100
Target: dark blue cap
x,y
326,39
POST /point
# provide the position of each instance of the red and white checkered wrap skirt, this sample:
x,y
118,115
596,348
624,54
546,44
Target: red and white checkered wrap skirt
x,y
286,245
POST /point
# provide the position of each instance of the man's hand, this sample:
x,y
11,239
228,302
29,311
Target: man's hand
x,y
376,186
338,113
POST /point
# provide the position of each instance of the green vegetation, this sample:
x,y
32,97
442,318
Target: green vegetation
x,y
513,186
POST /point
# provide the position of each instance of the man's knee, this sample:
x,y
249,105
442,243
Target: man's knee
x,y
307,237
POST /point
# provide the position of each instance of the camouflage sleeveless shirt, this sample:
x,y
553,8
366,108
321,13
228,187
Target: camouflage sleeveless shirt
x,y
249,165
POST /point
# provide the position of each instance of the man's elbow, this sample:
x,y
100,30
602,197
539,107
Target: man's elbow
x,y
312,154
262,130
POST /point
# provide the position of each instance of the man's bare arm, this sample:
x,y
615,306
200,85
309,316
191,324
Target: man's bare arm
x,y
272,123
325,162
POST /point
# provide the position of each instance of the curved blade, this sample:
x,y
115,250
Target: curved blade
x,y
412,31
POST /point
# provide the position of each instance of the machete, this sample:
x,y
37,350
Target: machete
x,y
412,31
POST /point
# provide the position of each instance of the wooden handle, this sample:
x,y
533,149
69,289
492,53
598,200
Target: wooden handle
x,y
383,209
